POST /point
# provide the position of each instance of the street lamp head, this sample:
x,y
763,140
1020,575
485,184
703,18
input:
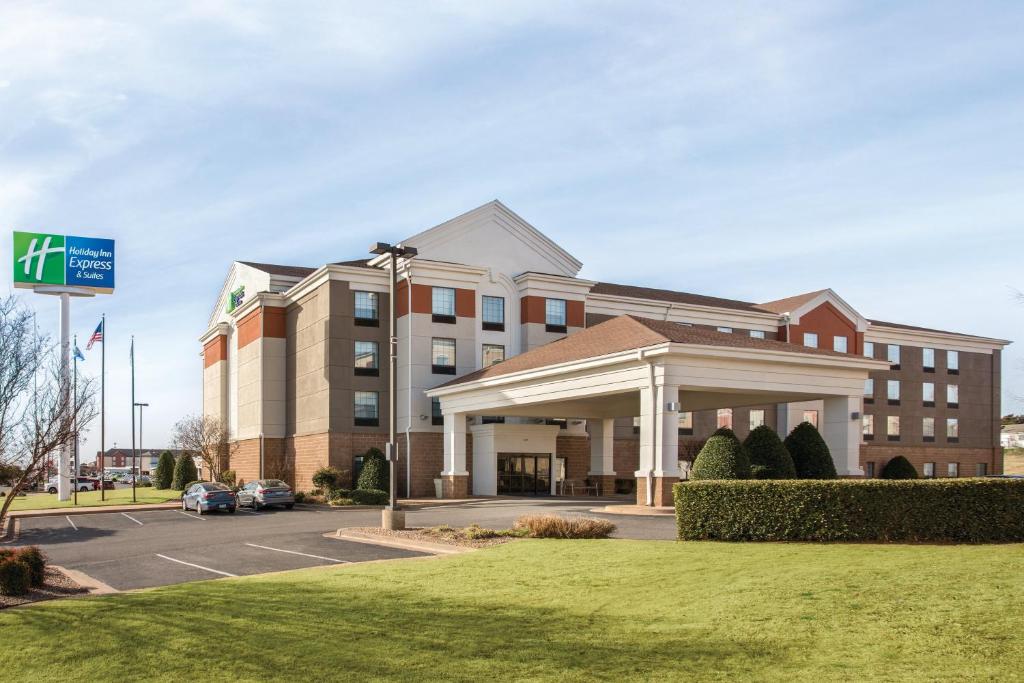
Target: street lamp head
x,y
408,252
380,248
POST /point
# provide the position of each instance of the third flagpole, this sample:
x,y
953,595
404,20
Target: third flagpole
x,y
103,405
134,476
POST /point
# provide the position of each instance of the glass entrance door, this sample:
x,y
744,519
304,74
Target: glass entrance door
x,y
524,475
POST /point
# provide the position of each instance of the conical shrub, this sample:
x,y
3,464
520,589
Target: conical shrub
x,y
810,453
184,472
898,468
721,458
765,449
164,476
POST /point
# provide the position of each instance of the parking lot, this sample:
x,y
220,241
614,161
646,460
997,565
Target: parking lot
x,y
140,549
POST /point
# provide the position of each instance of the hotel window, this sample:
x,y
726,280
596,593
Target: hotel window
x,y
953,469
811,340
366,412
727,330
928,428
366,308
893,392
725,418
442,356
811,416
953,362
839,344
756,418
869,470
929,470
493,311
928,394
928,360
867,427
952,430
894,356
869,349
869,390
492,353
980,469
952,395
554,315
757,334
685,424
892,427
436,416
442,304
366,358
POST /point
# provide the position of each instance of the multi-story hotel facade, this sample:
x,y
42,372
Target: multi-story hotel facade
x,y
517,376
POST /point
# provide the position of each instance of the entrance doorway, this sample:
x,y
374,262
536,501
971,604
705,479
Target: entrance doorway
x,y
524,474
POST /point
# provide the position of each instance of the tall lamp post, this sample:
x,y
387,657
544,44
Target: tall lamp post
x,y
135,475
392,518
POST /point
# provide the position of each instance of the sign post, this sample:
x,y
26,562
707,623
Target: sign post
x,y
64,266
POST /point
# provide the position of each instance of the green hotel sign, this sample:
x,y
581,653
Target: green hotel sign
x,y
42,259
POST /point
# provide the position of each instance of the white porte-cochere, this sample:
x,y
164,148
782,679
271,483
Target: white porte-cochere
x,y
658,370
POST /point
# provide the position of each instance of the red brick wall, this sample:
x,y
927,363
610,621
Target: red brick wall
x,y
826,321
576,451
919,455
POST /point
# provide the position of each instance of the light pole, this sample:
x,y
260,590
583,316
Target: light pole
x,y
135,475
392,519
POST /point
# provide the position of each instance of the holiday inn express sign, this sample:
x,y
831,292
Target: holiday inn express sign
x,y
42,259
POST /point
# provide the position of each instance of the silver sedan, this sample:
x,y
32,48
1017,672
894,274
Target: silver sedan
x,y
264,492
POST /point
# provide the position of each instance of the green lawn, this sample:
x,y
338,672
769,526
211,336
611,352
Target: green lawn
x,y
559,610
47,501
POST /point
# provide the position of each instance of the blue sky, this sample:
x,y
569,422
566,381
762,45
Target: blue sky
x,y
751,151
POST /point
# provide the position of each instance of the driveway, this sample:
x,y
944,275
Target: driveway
x,y
140,549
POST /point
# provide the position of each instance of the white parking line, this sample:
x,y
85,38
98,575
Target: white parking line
x,y
294,552
132,518
68,517
197,566
182,512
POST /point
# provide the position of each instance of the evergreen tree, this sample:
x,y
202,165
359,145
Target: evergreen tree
x,y
164,476
810,453
721,458
184,472
766,449
374,475
898,468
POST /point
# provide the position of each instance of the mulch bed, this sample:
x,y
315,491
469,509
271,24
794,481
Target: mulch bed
x,y
448,536
57,586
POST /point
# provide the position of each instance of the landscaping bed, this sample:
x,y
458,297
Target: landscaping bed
x,y
56,585
468,537
529,526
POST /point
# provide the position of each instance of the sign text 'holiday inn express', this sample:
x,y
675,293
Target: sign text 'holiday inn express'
x,y
42,259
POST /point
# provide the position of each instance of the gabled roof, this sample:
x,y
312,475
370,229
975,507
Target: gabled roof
x,y
790,303
625,333
901,326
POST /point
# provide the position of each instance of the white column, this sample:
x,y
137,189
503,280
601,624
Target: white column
x,y
659,431
602,445
841,432
455,445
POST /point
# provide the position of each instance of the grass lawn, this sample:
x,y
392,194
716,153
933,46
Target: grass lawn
x,y
559,610
48,501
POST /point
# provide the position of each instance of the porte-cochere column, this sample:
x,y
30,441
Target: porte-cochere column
x,y
455,476
659,445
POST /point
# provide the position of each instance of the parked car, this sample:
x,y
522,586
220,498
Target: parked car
x,y
207,496
82,484
107,483
264,492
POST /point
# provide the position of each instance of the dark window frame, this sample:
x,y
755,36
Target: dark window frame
x,y
361,321
492,325
443,369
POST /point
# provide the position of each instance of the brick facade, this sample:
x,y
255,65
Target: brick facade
x,y
967,458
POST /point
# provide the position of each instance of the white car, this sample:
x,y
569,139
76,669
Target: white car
x,y
82,484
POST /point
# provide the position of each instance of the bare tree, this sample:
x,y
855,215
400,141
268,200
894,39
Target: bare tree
x,y
206,438
38,410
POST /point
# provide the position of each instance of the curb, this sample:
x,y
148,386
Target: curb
x,y
94,510
403,544
635,511
94,586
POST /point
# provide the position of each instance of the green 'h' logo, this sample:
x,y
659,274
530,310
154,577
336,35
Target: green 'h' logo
x,y
39,258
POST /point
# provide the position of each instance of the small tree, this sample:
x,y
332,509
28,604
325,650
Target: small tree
x,y
184,472
810,453
206,438
374,475
898,468
164,476
721,458
766,450
329,478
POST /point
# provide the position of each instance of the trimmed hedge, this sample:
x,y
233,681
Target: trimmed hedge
x,y
810,454
956,510
898,468
329,478
722,457
369,497
765,449
15,575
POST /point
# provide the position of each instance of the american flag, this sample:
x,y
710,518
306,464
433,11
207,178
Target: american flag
x,y
97,336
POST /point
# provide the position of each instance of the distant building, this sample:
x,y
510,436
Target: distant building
x,y
1012,436
122,457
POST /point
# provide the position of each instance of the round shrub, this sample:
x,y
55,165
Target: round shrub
x,y
721,458
164,475
184,472
374,475
766,450
227,477
36,562
335,494
329,478
898,468
368,497
810,453
15,576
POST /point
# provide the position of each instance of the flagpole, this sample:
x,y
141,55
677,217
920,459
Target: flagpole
x,y
103,404
74,399
134,476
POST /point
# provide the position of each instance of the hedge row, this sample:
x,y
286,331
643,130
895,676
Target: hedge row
x,y
954,510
